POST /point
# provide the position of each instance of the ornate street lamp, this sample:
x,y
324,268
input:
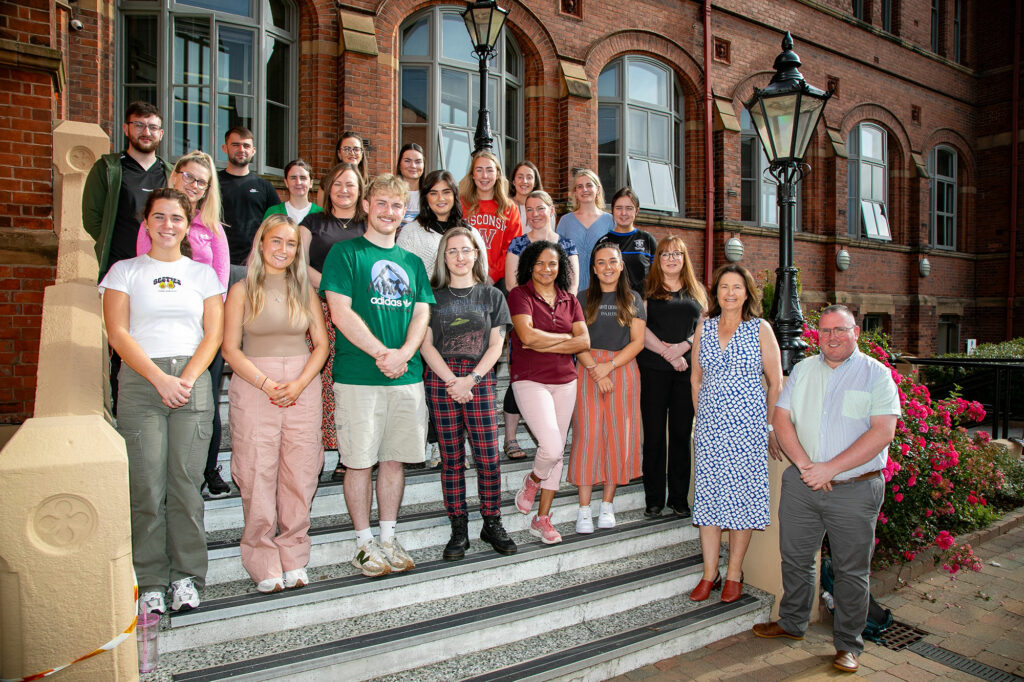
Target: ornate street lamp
x,y
785,114
484,20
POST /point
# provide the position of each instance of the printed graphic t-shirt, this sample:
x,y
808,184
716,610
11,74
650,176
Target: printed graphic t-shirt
x,y
384,285
166,301
462,320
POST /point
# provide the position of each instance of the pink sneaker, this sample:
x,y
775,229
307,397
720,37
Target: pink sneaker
x,y
527,494
542,528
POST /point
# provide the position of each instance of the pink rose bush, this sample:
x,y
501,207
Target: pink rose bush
x,y
940,479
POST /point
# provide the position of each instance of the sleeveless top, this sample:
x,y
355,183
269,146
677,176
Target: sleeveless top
x,y
271,334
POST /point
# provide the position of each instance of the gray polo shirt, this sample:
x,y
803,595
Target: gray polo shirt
x,y
832,408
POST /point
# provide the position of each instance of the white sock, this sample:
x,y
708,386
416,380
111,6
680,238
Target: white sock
x,y
607,508
363,536
387,531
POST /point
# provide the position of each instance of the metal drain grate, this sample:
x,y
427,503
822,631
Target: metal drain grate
x,y
962,663
900,635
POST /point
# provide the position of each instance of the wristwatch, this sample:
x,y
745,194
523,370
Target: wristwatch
x,y
476,377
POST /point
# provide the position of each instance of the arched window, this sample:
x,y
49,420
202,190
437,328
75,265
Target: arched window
x,y
868,181
942,168
440,91
640,131
210,65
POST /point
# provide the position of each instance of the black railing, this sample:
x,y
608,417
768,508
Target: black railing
x,y
996,380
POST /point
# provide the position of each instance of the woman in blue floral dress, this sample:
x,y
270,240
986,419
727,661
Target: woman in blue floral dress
x,y
732,350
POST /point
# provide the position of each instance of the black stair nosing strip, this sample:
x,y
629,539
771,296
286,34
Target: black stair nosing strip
x,y
485,556
601,646
212,545
956,661
478,615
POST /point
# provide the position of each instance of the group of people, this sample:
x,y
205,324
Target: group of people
x,y
379,312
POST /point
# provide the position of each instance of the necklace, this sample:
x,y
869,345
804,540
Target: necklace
x,y
456,295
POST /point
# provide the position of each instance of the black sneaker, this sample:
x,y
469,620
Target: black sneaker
x,y
215,485
494,534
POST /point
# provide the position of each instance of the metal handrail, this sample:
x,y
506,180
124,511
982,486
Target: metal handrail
x,y
1003,368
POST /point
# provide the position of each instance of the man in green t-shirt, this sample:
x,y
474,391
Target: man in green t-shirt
x,y
380,297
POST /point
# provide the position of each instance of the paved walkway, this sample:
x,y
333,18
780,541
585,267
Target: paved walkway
x,y
977,615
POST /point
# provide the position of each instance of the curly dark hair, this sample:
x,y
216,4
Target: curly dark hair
x,y
528,258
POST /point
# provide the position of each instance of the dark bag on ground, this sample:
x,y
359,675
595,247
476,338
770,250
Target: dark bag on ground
x,y
879,618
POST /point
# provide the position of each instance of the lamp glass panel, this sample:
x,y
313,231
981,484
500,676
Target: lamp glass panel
x,y
810,111
497,20
761,126
781,115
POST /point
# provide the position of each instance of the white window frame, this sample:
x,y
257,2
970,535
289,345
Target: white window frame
x,y
867,207
261,24
639,169
505,87
943,222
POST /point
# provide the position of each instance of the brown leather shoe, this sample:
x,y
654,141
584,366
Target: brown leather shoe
x,y
772,630
704,588
731,591
846,661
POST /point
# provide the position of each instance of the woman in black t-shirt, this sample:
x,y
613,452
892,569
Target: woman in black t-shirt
x,y
675,302
464,340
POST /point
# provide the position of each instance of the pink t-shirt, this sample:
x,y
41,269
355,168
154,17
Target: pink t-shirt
x,y
207,248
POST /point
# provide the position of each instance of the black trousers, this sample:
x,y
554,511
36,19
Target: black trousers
x,y
665,397
216,371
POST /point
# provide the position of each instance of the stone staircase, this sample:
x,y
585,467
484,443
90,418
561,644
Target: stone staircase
x,y
589,608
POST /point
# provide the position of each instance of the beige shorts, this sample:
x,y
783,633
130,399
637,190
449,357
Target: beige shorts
x,y
380,424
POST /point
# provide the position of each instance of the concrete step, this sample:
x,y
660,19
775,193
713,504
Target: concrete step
x,y
420,526
473,604
421,486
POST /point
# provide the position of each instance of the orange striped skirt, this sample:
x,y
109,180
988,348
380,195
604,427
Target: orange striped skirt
x,y
606,427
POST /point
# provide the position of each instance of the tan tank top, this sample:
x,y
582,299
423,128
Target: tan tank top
x,y
271,334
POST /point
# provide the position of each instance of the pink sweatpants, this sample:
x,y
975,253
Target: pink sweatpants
x,y
276,457
547,408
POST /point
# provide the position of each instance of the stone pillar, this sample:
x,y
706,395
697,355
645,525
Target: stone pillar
x,y
65,526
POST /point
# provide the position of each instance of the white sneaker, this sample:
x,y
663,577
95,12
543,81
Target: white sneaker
x,y
396,556
606,519
296,578
152,602
184,595
584,521
370,560
270,585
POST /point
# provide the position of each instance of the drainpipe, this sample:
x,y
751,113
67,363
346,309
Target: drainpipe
x,y
1014,171
709,157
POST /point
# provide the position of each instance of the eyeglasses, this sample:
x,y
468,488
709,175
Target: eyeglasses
x,y
465,251
139,126
190,179
352,150
830,331
672,255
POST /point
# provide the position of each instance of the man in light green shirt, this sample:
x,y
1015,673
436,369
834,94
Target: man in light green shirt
x,y
834,419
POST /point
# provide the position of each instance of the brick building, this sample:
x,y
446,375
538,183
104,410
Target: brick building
x,y
914,158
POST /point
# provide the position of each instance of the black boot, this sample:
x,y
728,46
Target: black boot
x,y
459,542
494,534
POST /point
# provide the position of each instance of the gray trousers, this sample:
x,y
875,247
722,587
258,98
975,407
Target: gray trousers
x,y
166,454
848,514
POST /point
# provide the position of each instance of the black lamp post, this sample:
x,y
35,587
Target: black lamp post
x,y
484,20
785,114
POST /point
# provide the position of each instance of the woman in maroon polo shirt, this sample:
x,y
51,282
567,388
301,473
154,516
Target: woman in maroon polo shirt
x,y
549,329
